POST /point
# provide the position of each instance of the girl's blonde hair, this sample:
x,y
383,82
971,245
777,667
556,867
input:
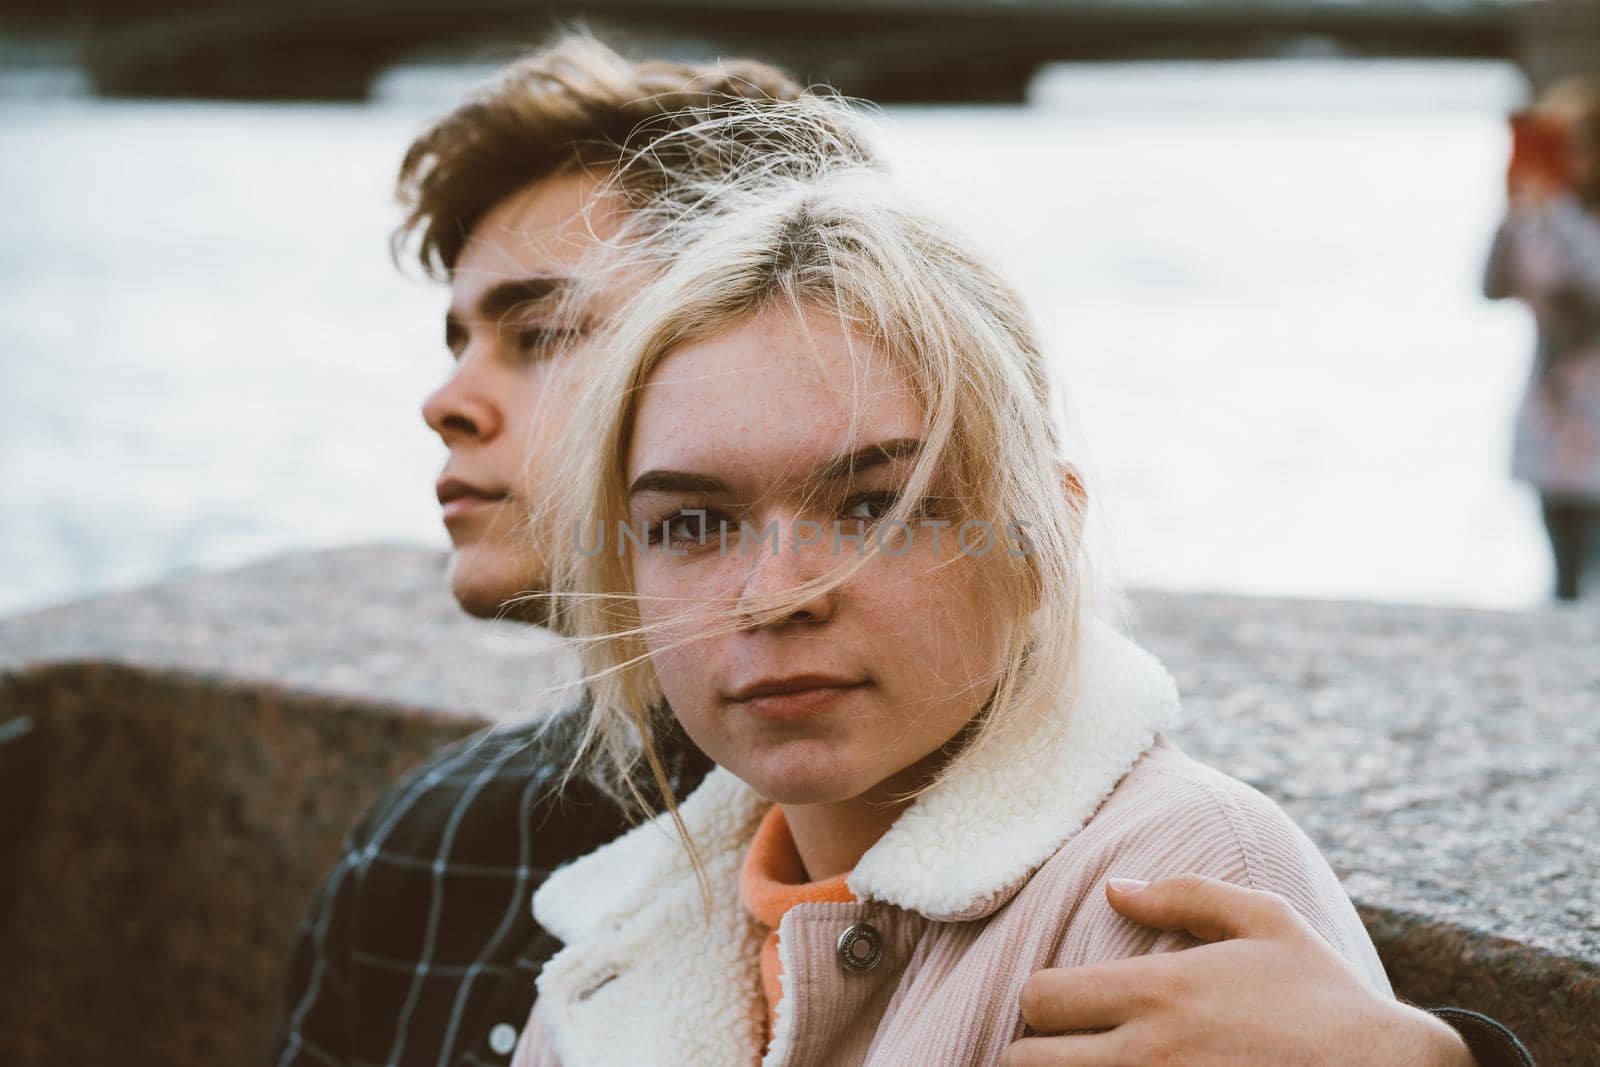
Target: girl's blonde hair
x,y
846,243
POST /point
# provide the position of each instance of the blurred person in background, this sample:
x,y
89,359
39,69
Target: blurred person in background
x,y
1547,254
419,947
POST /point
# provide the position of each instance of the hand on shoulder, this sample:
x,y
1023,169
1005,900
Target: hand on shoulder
x,y
1266,990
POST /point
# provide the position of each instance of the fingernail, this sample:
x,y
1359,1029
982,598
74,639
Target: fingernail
x,y
1127,885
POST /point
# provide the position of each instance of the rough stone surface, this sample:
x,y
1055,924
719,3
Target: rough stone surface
x,y
372,623
1447,762
200,746
198,750
179,830
1444,759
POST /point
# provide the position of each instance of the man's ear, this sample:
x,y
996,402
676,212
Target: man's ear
x,y
1072,485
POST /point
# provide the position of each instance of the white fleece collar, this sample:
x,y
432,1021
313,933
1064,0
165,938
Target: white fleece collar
x,y
962,850
633,919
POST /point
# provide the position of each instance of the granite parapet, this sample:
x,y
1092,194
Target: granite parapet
x,y
197,749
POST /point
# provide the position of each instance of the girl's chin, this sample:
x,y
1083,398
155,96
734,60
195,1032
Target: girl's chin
x,y
805,784
831,770
800,790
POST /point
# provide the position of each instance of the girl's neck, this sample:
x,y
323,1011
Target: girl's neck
x,y
831,838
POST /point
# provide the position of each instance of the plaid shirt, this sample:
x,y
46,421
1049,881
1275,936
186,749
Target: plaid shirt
x,y
420,947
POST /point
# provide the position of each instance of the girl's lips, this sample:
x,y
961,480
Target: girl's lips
x,y
798,702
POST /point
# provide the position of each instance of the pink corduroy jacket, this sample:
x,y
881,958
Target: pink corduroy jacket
x,y
998,872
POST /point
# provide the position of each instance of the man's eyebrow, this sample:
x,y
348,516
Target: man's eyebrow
x,y
665,481
863,459
503,298
507,296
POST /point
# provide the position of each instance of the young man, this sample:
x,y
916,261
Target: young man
x,y
420,948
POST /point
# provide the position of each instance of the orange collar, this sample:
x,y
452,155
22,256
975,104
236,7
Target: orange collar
x,y
771,882
773,878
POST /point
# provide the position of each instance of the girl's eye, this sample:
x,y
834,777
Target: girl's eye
x,y
870,507
687,526
690,526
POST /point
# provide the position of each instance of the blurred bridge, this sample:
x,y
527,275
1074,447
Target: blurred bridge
x,y
889,50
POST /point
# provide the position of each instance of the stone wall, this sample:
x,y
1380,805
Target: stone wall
x,y
180,825
196,750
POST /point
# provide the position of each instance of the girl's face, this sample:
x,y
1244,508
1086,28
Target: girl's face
x,y
776,430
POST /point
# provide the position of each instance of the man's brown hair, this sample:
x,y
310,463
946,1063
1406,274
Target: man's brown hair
x,y
578,103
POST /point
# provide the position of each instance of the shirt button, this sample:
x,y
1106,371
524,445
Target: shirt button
x,y
502,1039
860,948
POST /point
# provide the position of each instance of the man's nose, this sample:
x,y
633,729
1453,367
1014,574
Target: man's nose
x,y
463,409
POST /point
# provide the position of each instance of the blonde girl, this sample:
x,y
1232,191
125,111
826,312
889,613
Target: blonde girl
x,y
815,512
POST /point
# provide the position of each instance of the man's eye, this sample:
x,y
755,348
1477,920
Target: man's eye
x,y
541,339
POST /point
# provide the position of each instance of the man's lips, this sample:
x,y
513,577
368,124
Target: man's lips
x,y
458,497
793,697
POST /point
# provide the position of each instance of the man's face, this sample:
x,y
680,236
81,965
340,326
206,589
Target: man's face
x,y
503,406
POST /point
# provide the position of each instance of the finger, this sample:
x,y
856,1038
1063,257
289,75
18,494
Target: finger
x,y
1068,1050
1093,996
1209,909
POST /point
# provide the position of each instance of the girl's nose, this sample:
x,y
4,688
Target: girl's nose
x,y
782,586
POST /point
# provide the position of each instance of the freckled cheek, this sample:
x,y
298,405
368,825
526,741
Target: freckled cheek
x,y
686,668
930,630
682,611
677,668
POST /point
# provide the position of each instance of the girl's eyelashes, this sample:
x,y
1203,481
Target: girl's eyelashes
x,y
870,507
685,526
875,506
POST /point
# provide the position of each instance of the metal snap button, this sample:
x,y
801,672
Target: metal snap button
x,y
860,948
502,1039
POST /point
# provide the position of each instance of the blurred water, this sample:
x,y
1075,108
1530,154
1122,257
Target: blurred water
x,y
1259,280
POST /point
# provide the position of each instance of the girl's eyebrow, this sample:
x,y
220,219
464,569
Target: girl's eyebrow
x,y
658,480
668,481
866,458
